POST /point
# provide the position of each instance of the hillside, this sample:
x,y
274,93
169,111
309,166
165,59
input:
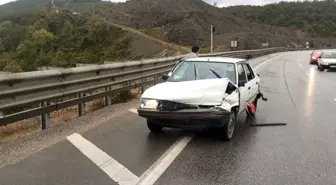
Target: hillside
x,y
315,17
62,39
115,31
187,22
23,6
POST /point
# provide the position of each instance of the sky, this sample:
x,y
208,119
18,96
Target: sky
x,y
221,3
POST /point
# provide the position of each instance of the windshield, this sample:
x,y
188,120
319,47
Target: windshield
x,y
329,55
199,70
317,52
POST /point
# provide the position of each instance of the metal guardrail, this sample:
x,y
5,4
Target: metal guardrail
x,y
44,88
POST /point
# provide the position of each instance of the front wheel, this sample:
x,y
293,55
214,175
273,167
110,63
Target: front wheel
x,y
153,126
226,132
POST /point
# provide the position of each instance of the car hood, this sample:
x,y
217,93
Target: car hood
x,y
197,92
329,60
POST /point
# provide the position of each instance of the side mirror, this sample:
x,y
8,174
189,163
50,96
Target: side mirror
x,y
165,77
241,84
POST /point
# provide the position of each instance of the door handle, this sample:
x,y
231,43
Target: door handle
x,y
249,88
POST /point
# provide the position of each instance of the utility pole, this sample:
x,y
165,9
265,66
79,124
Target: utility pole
x,y
93,7
212,31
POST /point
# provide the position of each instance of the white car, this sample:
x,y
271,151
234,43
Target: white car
x,y
326,60
203,92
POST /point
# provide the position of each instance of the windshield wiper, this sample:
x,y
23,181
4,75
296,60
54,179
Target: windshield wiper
x,y
217,75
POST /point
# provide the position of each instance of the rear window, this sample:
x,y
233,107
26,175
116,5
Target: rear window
x,y
329,55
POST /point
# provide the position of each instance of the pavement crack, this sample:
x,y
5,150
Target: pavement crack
x,y
284,74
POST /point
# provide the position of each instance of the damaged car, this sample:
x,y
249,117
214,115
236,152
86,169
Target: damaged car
x,y
202,92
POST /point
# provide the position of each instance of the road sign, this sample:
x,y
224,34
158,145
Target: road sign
x,y
234,44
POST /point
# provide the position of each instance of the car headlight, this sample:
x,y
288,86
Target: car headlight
x,y
149,104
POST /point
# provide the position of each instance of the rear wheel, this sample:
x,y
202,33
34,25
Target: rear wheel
x,y
152,126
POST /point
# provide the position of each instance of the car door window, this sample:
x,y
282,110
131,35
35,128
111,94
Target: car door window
x,y
249,72
241,74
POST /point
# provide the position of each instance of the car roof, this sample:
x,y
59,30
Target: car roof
x,y
216,59
329,50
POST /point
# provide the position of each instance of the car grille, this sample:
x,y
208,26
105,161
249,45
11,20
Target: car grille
x,y
170,106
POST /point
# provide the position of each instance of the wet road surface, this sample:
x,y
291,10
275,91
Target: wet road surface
x,y
303,152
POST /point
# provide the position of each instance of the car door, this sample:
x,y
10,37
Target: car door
x,y
242,80
252,83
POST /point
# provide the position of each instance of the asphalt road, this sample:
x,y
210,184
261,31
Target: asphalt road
x,y
302,152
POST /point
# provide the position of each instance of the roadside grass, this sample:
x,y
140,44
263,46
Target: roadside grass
x,y
32,125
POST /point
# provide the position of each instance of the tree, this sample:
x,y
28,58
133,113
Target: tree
x,y
63,39
12,67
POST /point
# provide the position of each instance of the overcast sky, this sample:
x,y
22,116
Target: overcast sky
x,y
220,2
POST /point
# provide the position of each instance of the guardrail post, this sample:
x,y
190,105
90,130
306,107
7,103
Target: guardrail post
x,y
45,117
81,106
107,98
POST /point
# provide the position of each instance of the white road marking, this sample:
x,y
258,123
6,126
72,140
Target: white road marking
x,y
135,111
157,169
263,63
110,166
300,65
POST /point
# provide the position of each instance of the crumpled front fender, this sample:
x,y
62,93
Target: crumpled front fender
x,y
230,101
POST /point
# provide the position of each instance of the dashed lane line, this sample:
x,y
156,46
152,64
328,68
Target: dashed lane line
x,y
135,111
110,166
160,166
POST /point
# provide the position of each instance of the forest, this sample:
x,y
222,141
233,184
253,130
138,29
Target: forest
x,y
315,17
49,38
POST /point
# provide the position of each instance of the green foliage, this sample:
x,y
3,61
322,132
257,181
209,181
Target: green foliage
x,y
24,6
12,67
47,38
315,17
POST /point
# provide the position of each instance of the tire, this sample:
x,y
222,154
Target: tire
x,y
321,68
153,127
226,132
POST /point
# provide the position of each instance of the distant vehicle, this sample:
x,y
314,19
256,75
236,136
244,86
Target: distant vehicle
x,y
203,92
326,60
314,56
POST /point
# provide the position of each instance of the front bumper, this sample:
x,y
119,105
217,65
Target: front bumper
x,y
313,61
328,65
187,118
